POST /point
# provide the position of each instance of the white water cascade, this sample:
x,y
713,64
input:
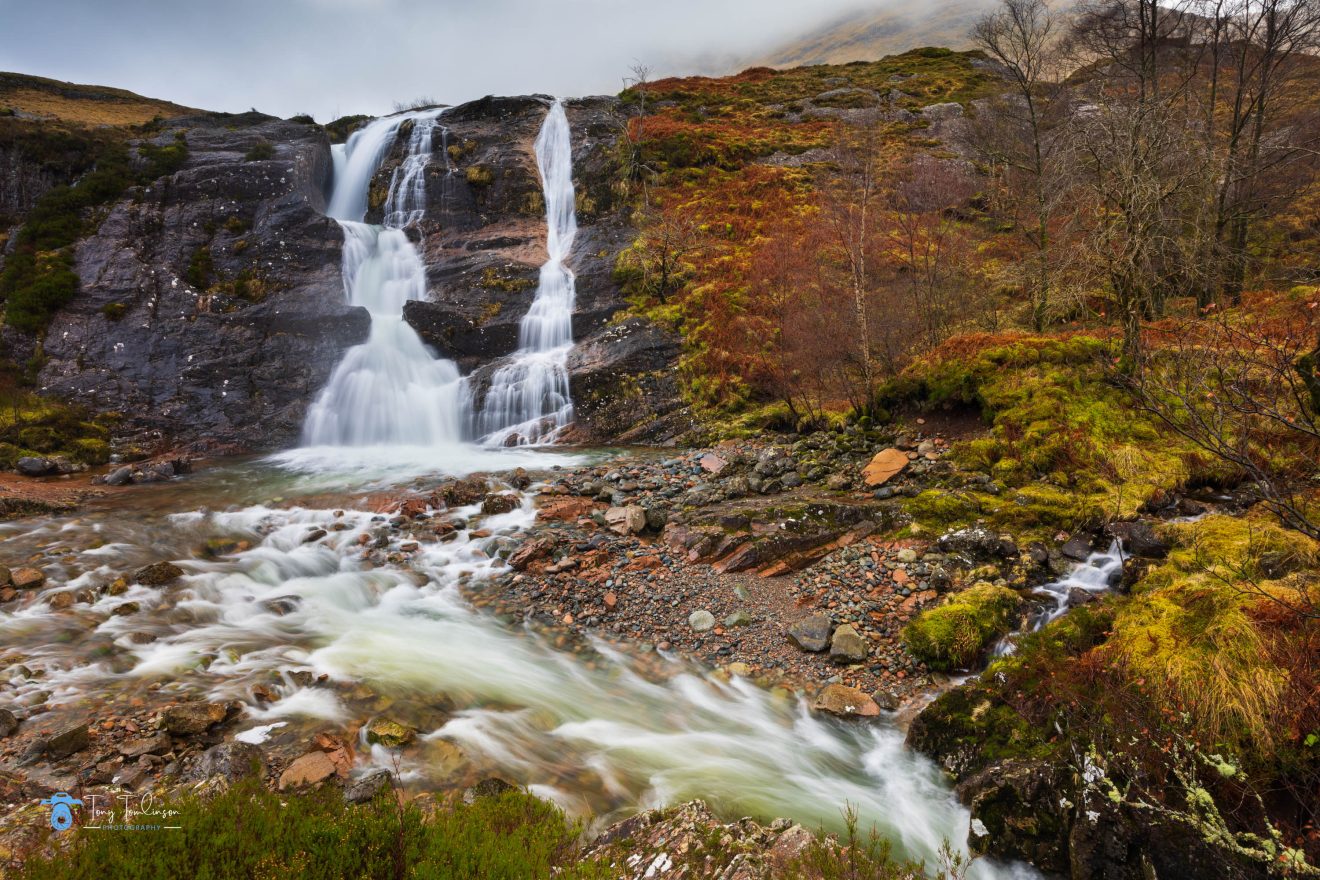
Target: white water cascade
x,y
390,390
1098,574
529,402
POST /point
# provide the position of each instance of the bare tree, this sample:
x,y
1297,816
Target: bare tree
x,y
633,130
1016,134
849,205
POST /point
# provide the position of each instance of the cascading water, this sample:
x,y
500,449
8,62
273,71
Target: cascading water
x,y
529,401
390,390
1098,574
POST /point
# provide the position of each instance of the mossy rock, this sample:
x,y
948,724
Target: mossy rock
x,y
389,733
91,451
954,635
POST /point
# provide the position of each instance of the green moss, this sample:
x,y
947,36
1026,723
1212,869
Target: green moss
x,y
260,151
955,634
90,450
201,268
494,279
479,175
114,311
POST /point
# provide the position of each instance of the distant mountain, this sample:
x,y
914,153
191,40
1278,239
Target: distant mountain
x,y
869,34
37,97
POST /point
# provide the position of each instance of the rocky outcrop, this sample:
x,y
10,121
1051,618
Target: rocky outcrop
x,y
624,384
210,305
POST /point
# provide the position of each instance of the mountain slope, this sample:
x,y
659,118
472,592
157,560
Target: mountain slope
x,y
869,34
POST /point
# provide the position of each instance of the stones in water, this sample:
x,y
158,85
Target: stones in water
x,y
884,466
848,646
701,621
496,504
158,574
34,466
844,702
8,723
812,633
28,578
190,719
389,733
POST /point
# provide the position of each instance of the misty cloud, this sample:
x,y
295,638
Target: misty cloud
x,y
333,57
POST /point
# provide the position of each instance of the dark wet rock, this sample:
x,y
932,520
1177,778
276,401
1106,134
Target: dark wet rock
x,y
501,503
8,723
67,740
121,476
1079,547
624,386
1016,813
812,633
365,788
158,574
1139,539
978,543
230,761
241,356
491,786
33,466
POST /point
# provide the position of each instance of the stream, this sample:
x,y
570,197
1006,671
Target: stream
x,y
597,729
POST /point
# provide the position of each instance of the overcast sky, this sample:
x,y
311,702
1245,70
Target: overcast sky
x,y
335,57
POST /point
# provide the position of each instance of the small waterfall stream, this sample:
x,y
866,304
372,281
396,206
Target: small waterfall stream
x,y
529,401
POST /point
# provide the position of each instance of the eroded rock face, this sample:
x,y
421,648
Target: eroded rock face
x,y
230,354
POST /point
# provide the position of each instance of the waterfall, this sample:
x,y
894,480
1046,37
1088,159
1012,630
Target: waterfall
x,y
529,401
390,390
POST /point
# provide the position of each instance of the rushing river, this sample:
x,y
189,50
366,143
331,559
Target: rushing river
x,y
589,726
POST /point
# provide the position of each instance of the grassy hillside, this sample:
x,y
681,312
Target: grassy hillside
x,y
51,99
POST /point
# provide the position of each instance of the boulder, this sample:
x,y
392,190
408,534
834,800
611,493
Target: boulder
x,y
67,740
28,578
529,552
844,702
701,621
8,723
978,542
310,769
500,503
158,574
364,789
812,633
190,719
630,520
230,761
389,733
1016,814
884,466
848,646
1139,539
33,466
155,744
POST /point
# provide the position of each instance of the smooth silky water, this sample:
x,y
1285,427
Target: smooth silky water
x,y
593,726
590,725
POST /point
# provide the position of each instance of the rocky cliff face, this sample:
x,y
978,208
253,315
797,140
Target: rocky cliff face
x,y
211,308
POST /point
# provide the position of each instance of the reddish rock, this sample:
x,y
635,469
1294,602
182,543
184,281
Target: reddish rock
x,y
884,466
